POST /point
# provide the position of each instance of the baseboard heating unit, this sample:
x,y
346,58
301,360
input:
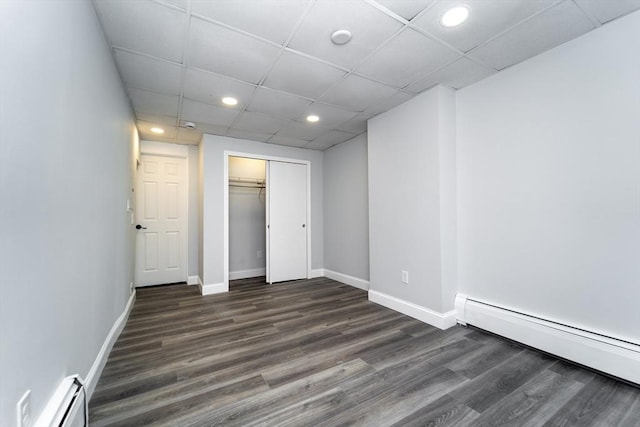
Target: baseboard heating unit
x,y
68,407
612,355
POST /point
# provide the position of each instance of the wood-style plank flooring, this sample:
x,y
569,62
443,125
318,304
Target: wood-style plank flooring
x,y
318,353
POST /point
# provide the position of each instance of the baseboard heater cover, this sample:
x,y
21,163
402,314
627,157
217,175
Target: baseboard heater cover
x,y
612,355
68,407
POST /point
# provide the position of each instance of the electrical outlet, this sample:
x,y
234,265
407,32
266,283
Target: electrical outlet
x,y
405,276
24,410
259,255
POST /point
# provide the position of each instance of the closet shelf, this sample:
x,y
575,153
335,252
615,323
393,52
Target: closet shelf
x,y
246,182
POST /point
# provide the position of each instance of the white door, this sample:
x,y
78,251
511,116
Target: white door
x,y
286,221
161,205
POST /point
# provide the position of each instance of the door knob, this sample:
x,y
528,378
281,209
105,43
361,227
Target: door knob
x,y
304,225
139,227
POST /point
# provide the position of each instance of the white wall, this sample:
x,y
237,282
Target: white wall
x,y
212,215
247,220
410,187
67,153
549,183
346,209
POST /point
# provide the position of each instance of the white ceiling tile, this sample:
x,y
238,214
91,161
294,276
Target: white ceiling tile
x,y
369,26
486,19
143,72
182,4
357,93
396,99
303,76
606,10
227,52
258,122
552,27
145,101
408,9
200,112
144,26
291,142
189,135
457,75
330,139
306,131
210,88
405,58
252,136
356,125
275,25
212,129
154,118
329,116
145,127
278,103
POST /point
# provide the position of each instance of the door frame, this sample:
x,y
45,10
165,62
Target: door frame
x,y
225,192
164,149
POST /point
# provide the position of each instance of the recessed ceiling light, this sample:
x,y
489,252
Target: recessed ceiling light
x,y
159,131
313,118
341,37
229,100
455,16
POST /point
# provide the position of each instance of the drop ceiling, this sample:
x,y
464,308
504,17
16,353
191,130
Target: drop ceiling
x,y
178,58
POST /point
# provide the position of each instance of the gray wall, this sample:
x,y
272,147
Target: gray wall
x,y
549,183
411,165
193,211
66,162
212,168
346,208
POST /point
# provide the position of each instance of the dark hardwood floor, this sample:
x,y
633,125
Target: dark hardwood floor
x,y
318,353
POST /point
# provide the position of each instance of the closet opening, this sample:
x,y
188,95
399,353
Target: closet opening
x,y
247,218
267,222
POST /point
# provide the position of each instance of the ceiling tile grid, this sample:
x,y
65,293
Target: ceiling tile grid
x,y
179,58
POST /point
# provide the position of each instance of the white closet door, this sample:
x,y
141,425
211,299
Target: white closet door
x,y
161,241
286,221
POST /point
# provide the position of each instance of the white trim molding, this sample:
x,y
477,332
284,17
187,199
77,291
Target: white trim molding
x,y
91,380
246,274
318,272
349,280
613,355
426,315
212,288
192,280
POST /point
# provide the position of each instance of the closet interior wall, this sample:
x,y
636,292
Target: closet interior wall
x,y
247,196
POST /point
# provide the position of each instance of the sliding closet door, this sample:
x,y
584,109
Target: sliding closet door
x,y
286,221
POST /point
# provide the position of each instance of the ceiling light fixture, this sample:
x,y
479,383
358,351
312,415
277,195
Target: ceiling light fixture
x,y
341,37
454,16
313,118
229,100
159,131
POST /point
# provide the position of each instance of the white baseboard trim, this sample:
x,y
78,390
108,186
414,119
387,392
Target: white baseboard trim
x,y
91,380
433,318
617,357
319,272
192,280
245,274
346,279
212,288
